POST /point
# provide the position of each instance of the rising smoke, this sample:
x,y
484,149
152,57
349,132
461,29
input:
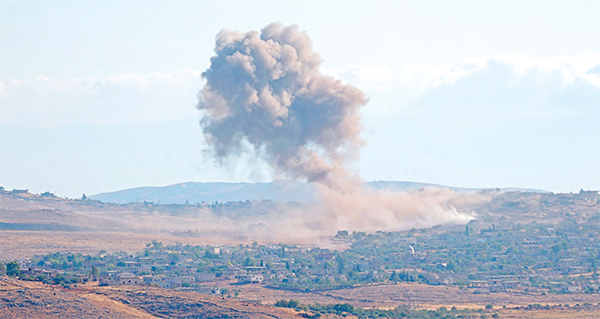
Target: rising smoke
x,y
266,90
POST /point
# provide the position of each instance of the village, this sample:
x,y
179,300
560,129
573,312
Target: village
x,y
488,255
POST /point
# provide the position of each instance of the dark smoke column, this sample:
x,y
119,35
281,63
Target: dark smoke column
x,y
267,90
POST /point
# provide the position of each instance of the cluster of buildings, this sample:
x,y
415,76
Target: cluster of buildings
x,y
501,252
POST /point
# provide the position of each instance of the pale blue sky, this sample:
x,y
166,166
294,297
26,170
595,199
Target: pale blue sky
x,y
99,95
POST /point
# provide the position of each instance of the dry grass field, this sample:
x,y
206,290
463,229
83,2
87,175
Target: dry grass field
x,y
18,244
415,295
23,244
549,314
36,300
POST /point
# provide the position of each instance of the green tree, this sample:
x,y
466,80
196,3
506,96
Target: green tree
x,y
13,269
94,272
249,262
452,266
2,269
293,303
394,276
341,262
344,307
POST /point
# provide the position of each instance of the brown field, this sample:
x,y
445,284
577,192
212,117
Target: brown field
x,y
35,300
17,244
416,295
549,314
23,244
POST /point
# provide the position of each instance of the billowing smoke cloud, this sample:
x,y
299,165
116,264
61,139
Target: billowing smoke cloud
x,y
266,90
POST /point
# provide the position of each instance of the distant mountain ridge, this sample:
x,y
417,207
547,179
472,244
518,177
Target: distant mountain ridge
x,y
195,192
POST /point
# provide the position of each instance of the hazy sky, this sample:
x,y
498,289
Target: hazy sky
x,y
97,96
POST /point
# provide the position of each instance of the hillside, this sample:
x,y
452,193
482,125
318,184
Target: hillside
x,y
21,299
193,192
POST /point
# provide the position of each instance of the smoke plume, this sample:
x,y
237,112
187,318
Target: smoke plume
x,y
266,90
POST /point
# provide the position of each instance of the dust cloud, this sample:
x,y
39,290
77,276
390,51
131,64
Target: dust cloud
x,y
265,93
